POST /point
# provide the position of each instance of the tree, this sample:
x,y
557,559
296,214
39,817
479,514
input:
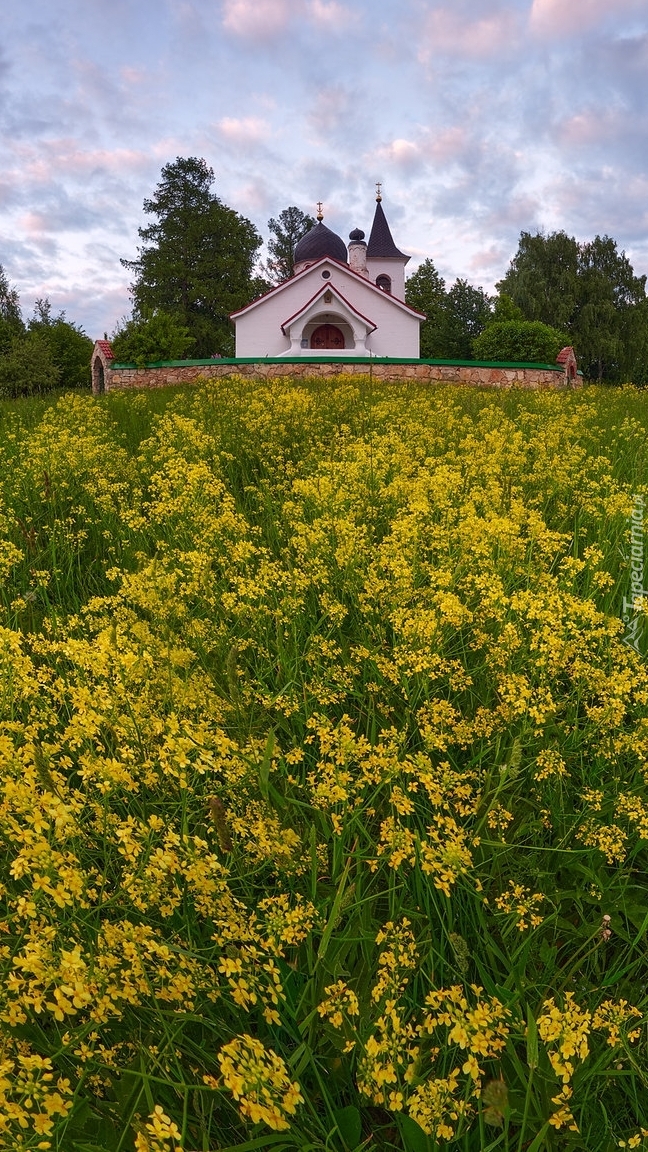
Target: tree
x,y
70,348
425,290
505,309
454,317
520,342
286,231
637,359
468,310
11,321
197,257
590,291
154,336
610,313
542,278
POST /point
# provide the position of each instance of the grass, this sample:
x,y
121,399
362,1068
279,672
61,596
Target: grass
x,y
324,799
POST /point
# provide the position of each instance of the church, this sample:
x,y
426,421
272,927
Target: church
x,y
340,301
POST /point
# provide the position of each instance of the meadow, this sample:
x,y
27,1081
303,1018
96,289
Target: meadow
x,y
323,770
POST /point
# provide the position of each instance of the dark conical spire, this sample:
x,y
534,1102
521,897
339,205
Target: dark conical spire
x,y
381,243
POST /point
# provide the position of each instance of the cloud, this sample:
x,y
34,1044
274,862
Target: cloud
x,y
332,15
401,153
259,19
489,263
263,19
591,126
334,110
248,130
567,17
451,31
445,148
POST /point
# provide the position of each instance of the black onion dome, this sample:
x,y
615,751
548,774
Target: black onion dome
x,y
356,235
319,242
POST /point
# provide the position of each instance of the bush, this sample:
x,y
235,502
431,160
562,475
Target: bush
x,y
70,348
28,366
521,341
149,337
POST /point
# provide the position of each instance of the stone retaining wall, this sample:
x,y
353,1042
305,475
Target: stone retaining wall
x,y
489,376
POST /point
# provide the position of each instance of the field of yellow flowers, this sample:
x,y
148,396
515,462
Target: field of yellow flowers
x,y
323,770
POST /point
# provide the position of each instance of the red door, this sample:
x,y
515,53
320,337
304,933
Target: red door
x,y
327,336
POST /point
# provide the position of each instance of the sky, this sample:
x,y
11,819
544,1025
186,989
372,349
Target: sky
x,y
481,118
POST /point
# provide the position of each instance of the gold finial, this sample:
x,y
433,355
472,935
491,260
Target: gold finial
x,y
378,191
320,214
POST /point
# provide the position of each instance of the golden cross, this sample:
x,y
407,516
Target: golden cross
x,y
378,190
320,214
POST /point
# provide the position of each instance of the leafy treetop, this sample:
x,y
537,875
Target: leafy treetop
x,y
589,290
197,257
287,230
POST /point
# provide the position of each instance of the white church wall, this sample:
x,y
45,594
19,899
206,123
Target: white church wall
x,y
395,269
258,331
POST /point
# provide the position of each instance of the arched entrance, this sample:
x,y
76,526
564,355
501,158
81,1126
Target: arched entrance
x,y
98,378
327,336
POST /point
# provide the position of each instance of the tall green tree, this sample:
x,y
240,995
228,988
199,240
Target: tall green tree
x,y
197,257
543,278
286,231
454,317
70,349
610,310
425,290
468,311
11,321
588,290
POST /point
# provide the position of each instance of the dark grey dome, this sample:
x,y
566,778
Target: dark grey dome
x,y
356,235
319,242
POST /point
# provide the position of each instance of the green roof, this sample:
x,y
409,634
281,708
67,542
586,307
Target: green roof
x,y
368,360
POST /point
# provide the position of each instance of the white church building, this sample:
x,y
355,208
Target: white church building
x,y
339,302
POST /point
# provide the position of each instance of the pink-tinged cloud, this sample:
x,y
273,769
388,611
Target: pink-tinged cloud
x,y
441,147
447,145
564,17
332,109
591,126
258,19
249,130
67,157
329,14
34,223
401,153
133,76
253,198
261,19
449,31
491,261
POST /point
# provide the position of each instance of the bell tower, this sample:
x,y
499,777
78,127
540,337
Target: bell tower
x,y
385,262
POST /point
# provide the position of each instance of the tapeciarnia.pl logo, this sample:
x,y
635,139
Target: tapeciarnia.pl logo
x,y
634,607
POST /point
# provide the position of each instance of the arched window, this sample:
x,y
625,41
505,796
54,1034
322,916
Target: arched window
x,y
383,282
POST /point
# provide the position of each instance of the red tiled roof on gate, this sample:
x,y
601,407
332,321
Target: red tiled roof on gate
x,y
565,355
106,347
